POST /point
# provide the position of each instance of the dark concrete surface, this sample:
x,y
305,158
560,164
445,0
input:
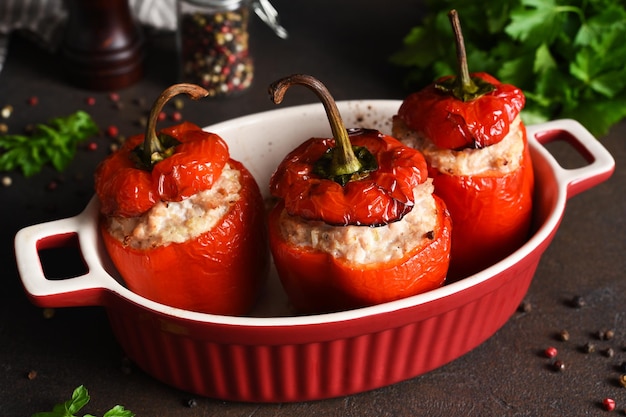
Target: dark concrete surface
x,y
346,45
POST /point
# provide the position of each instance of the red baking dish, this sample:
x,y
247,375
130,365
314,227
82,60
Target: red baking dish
x,y
275,356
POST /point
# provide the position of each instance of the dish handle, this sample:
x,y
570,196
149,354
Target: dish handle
x,y
600,162
79,232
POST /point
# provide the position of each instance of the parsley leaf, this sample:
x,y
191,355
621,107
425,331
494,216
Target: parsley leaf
x,y
566,55
54,144
80,397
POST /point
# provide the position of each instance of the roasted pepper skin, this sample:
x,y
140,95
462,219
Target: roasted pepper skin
x,y
385,195
491,215
220,271
454,124
491,212
317,282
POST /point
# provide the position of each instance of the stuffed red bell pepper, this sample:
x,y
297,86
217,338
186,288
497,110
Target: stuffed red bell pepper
x,y
356,222
183,223
469,129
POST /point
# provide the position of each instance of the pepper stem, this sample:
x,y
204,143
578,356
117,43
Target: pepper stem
x,y
153,146
461,55
463,86
344,161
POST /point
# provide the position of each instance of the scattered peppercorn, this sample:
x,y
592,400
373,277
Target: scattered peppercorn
x,y
162,116
177,116
622,380
32,374
90,101
140,102
550,352
578,302
52,185
33,101
6,111
525,307
4,128
191,403
609,334
142,121
7,181
608,352
114,97
92,146
112,131
589,347
608,404
558,366
48,313
564,335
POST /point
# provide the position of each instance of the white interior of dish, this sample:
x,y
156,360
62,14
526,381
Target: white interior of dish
x,y
260,141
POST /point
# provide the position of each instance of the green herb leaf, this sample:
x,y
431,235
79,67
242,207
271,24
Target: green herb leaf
x,y
80,397
566,55
54,144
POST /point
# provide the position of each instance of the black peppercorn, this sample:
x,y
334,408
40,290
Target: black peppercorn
x,y
578,302
558,366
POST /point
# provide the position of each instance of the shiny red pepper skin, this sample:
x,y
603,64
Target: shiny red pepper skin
x,y
220,271
453,124
491,215
384,196
491,212
317,282
124,190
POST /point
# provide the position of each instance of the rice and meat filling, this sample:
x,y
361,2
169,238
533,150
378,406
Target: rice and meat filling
x,y
364,244
177,222
503,157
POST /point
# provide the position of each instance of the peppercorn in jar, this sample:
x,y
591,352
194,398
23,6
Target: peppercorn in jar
x,y
213,44
213,41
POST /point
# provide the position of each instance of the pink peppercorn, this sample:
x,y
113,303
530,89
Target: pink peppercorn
x,y
90,101
162,116
177,116
114,97
92,146
550,352
33,101
112,131
608,404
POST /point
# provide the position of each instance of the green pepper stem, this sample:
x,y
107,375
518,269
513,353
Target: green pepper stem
x,y
463,75
463,86
345,161
152,144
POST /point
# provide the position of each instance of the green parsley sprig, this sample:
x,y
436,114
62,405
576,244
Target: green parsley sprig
x,y
566,55
54,143
80,397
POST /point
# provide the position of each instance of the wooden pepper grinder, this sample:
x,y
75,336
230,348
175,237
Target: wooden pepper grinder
x,y
103,44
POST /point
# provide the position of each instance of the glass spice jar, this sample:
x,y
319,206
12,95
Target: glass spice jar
x,y
213,45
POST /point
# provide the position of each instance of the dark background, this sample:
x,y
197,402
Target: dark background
x,y
346,45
